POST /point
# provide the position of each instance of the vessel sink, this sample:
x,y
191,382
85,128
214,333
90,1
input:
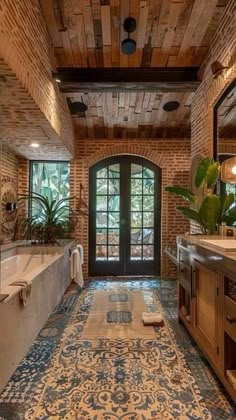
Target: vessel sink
x,y
227,245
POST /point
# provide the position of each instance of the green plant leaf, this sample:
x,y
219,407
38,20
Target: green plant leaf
x,y
202,171
210,211
50,219
226,202
182,192
212,174
231,216
190,214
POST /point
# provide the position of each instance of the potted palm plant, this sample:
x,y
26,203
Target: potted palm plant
x,y
48,220
206,208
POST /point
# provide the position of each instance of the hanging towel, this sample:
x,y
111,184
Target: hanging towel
x,y
149,318
81,251
76,267
25,291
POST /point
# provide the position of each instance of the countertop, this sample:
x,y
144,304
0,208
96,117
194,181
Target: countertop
x,y
208,254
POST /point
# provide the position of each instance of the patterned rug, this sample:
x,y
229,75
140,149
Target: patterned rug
x,y
68,376
117,315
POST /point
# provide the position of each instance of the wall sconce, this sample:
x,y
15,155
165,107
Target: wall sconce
x,y
11,207
228,171
217,69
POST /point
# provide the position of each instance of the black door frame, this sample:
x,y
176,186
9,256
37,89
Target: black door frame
x,y
125,266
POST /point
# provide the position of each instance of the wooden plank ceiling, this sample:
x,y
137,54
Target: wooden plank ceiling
x,y
169,33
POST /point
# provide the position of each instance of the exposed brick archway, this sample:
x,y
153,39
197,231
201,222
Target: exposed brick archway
x,y
128,149
170,155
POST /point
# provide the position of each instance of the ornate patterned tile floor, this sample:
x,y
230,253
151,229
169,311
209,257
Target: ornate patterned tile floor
x,y
64,376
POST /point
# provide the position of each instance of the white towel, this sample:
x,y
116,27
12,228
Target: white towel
x,y
150,318
25,291
81,251
76,267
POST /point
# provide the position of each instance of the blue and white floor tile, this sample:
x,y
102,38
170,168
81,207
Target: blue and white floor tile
x,y
65,376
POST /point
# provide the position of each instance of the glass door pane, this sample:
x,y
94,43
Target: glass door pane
x,y
108,213
124,217
142,181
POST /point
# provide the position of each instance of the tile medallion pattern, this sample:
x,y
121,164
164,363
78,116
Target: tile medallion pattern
x,y
118,297
66,377
120,317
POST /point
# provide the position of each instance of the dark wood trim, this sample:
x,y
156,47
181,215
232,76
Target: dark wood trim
x,y
125,266
113,79
215,117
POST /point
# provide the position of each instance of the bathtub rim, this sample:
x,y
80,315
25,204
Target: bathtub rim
x,y
12,291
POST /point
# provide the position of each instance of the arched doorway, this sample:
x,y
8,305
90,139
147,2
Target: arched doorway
x,y
125,217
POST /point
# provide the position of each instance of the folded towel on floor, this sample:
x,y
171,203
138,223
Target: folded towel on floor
x,y
149,318
24,294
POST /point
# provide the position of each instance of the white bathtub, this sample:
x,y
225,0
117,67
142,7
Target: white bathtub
x,y
48,270
22,266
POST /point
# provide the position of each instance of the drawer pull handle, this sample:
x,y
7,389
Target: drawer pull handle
x,y
182,271
230,319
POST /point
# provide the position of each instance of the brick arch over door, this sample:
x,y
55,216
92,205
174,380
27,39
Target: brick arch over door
x,y
173,159
151,156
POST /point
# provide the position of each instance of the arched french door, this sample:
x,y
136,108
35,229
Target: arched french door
x,y
125,217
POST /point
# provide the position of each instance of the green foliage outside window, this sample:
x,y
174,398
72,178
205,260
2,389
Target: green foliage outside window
x,y
51,179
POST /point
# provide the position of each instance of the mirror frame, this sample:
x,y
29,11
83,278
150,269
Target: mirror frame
x,y
215,117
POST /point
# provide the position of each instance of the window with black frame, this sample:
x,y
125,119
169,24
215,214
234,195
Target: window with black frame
x,y
50,179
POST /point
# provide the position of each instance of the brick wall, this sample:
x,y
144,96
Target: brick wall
x,y
15,170
9,164
171,155
22,122
222,49
26,48
8,173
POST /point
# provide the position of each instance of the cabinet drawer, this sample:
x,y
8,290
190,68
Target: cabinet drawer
x,y
230,317
184,258
185,277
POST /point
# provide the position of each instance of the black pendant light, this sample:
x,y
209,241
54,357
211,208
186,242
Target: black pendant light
x,y
128,45
171,106
77,107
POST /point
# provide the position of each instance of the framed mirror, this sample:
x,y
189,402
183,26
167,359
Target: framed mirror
x,y
224,136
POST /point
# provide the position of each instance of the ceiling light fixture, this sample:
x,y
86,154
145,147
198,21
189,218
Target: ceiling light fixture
x,y
217,69
228,170
171,106
34,145
128,45
77,107
56,77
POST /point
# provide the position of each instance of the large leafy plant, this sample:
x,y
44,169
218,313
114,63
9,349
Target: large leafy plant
x,y
47,220
206,208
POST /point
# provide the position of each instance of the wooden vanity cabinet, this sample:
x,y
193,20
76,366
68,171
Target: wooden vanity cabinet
x,y
207,308
185,288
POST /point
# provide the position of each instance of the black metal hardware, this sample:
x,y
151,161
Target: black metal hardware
x,y
230,319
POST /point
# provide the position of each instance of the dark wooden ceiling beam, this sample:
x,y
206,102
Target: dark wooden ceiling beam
x,y
113,79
